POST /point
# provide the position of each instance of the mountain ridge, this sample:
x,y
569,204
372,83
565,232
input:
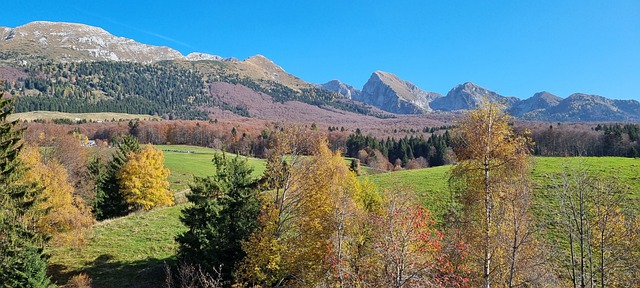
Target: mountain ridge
x,y
42,41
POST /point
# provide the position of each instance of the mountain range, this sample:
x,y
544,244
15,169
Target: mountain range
x,y
35,44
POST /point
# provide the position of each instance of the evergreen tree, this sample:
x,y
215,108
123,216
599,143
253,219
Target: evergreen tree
x,y
22,262
224,214
109,202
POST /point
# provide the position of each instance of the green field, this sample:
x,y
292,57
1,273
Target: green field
x,y
431,184
626,170
130,251
125,252
184,162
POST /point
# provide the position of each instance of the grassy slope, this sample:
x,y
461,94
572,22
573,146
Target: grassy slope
x,y
431,183
188,161
104,116
125,252
132,249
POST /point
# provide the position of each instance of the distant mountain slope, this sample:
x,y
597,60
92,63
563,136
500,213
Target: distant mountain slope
x,y
124,87
537,103
468,95
43,41
392,94
69,42
262,106
585,107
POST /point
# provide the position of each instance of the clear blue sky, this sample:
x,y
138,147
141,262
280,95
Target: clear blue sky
x,y
513,47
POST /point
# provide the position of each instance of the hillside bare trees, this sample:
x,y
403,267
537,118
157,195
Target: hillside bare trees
x,y
595,230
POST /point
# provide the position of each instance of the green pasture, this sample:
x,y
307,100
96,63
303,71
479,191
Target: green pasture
x,y
124,252
185,162
431,184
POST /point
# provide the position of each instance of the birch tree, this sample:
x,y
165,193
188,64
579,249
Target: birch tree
x,y
489,155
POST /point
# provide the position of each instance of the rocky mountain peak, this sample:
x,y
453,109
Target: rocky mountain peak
x,y
472,89
263,62
267,65
197,56
392,94
534,105
468,95
343,89
547,96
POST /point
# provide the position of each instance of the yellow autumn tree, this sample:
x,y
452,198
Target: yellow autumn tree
x,y
57,213
494,165
143,179
304,214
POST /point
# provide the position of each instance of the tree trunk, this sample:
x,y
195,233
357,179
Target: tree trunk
x,y
514,249
487,236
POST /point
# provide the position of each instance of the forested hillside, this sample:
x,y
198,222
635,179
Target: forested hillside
x,y
165,88
161,89
216,71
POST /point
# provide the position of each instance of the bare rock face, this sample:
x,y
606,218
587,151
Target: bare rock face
x,y
197,56
468,95
390,93
346,90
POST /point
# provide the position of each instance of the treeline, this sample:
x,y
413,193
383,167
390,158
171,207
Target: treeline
x,y
252,140
400,152
602,140
154,89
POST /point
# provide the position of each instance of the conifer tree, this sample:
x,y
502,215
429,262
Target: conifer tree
x,y
224,214
22,262
109,202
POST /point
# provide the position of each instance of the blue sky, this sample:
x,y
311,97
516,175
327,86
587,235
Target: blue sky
x,y
515,48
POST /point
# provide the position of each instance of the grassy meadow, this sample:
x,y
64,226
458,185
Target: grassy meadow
x,y
131,251
185,162
125,252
